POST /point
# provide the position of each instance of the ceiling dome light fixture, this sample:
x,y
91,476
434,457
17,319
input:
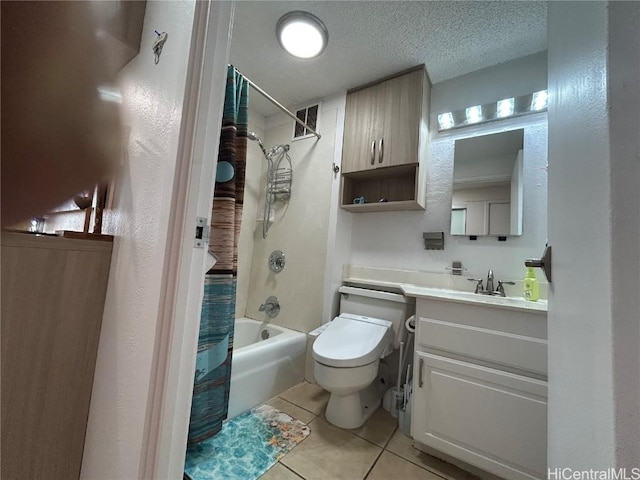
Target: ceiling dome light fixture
x,y
302,34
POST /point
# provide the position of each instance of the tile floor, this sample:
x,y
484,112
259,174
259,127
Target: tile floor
x,y
376,451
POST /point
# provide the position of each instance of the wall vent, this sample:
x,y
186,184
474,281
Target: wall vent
x,y
308,115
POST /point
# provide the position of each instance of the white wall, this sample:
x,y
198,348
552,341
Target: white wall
x,y
510,79
340,228
68,220
517,197
153,96
394,239
594,332
253,199
301,226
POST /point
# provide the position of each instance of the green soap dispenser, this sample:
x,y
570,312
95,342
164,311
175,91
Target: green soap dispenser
x,y
530,284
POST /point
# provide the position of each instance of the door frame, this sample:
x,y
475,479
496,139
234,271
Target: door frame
x,y
176,339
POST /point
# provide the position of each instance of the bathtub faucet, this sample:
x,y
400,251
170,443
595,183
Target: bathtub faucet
x,y
271,307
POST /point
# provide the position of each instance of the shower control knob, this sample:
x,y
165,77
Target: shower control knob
x,y
271,307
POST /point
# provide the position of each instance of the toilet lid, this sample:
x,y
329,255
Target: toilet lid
x,y
352,341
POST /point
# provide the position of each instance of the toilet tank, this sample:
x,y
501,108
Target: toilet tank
x,y
393,307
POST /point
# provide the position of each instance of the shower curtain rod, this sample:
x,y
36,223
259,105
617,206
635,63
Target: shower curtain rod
x,y
277,104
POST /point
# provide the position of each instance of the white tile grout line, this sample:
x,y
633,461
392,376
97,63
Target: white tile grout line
x,y
292,471
386,444
299,406
373,464
419,466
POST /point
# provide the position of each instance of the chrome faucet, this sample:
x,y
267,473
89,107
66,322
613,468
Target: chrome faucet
x,y
479,286
271,307
489,290
490,281
500,288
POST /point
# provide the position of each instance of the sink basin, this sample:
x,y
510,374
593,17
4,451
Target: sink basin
x,y
451,295
517,303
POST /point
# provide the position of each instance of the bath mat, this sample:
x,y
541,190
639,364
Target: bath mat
x,y
246,447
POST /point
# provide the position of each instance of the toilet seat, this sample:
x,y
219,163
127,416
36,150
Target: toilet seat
x,y
352,341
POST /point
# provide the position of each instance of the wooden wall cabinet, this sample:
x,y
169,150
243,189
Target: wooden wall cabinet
x,y
53,293
385,143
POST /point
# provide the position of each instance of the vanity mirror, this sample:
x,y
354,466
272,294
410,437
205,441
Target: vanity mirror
x,y
488,185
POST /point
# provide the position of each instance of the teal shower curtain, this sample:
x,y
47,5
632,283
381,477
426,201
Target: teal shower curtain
x,y
215,342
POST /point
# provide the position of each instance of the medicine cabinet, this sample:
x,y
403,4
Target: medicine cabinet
x,y
488,185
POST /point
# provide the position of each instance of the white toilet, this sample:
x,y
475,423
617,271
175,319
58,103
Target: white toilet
x,y
347,353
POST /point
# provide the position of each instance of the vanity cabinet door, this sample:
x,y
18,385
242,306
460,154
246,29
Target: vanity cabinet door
x,y
494,420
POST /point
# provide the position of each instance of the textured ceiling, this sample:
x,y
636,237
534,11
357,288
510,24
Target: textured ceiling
x,y
371,39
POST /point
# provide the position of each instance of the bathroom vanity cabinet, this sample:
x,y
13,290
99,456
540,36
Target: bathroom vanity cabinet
x,y
385,143
480,389
53,294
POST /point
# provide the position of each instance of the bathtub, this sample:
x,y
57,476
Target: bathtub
x,y
262,369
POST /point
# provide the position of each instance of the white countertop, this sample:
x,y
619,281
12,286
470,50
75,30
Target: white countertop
x,y
450,295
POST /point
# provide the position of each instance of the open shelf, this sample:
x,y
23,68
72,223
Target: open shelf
x,y
396,184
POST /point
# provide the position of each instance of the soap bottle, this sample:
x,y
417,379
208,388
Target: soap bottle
x,y
530,284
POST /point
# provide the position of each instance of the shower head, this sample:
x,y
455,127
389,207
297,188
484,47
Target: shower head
x,y
254,136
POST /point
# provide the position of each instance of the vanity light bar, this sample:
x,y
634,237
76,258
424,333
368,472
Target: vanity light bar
x,y
505,108
539,101
445,121
474,114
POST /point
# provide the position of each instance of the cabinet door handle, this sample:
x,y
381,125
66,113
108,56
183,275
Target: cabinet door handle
x,y
381,151
373,152
420,373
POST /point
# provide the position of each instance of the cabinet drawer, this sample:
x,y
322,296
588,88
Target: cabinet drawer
x,y
509,349
487,418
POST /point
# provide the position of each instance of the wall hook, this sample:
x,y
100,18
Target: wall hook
x,y
158,44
